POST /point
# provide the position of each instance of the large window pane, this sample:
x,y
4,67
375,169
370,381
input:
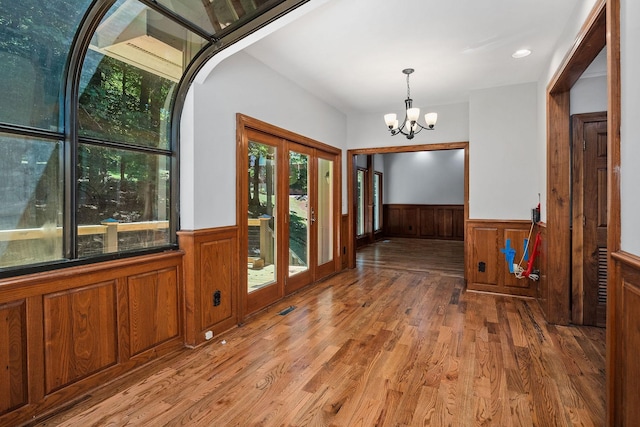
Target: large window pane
x,y
360,187
123,200
215,15
35,38
377,200
298,212
135,60
130,74
325,211
262,259
31,195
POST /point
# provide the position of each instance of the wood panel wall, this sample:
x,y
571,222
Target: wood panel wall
x,y
210,263
444,222
13,355
487,269
623,333
64,333
344,240
80,330
543,285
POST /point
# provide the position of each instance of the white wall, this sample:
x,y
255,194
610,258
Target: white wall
x,y
187,158
501,127
503,170
563,45
629,144
361,161
370,131
589,95
208,151
506,128
424,177
378,162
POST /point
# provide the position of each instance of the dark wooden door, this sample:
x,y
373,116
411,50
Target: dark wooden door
x,y
590,219
595,230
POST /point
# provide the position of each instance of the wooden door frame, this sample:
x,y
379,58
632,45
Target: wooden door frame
x,y
364,239
351,167
243,123
602,27
593,37
369,236
272,291
322,271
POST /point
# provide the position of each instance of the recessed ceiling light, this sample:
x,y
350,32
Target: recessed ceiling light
x,y
521,53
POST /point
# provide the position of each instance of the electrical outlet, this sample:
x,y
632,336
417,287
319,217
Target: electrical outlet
x,y
482,267
216,298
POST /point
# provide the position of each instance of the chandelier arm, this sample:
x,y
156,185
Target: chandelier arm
x,y
404,124
420,127
398,130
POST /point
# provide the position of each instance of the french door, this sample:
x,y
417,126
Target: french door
x,y
262,224
289,234
311,219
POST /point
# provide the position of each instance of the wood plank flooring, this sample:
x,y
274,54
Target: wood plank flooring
x,y
395,342
420,255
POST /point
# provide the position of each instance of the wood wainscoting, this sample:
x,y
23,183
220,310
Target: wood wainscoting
x,y
210,267
623,339
487,269
66,332
444,222
547,298
344,239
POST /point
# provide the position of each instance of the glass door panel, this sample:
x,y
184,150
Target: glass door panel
x,y
299,230
325,208
262,227
360,196
299,254
377,200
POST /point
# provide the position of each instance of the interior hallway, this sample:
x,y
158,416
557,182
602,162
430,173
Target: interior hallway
x,y
396,341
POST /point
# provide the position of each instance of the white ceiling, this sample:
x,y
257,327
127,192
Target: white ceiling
x,y
351,53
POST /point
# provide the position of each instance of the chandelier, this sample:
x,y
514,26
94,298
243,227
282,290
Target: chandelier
x,y
410,125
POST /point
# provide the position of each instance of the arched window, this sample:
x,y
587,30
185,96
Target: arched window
x,y
90,95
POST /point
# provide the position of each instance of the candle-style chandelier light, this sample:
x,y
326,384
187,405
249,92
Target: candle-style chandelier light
x,y
410,125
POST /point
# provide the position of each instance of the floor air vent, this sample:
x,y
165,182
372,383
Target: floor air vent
x,y
287,310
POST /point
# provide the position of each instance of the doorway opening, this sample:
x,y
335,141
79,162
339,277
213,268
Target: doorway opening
x,y
602,28
369,182
352,189
555,295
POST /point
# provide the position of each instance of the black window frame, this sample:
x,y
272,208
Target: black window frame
x,y
71,139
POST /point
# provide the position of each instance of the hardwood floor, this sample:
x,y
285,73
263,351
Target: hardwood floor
x,y
396,341
420,255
